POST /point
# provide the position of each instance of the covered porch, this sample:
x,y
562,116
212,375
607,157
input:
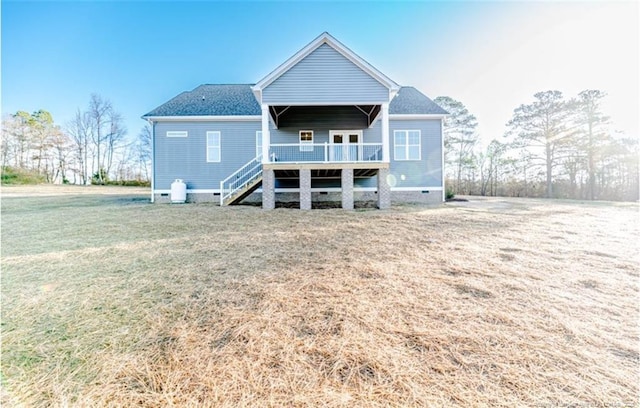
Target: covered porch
x,y
325,134
303,142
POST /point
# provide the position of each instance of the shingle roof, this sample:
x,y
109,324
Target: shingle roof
x,y
411,101
211,100
238,100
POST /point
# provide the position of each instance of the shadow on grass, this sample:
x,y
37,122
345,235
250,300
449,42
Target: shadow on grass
x,y
12,205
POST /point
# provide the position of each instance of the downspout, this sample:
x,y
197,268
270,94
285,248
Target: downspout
x,y
153,159
444,193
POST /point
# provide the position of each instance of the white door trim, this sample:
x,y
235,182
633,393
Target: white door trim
x,y
345,143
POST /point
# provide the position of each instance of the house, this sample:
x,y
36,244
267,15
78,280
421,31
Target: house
x,y
324,125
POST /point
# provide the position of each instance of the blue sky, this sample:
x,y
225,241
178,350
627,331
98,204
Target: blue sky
x,y
492,56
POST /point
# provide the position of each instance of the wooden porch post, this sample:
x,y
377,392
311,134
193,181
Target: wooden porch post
x,y
385,132
266,137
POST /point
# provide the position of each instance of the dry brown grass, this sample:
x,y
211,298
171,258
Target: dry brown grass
x,y
109,301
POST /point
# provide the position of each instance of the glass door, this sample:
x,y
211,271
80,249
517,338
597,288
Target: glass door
x,y
345,145
336,150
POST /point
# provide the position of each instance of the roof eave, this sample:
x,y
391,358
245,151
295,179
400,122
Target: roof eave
x,y
412,116
203,118
257,92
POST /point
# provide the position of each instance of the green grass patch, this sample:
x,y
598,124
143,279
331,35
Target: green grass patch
x,y
13,176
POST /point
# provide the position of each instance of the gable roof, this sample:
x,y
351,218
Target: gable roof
x,y
211,100
324,38
410,101
238,100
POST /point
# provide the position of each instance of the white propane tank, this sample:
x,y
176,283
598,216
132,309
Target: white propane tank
x,y
178,192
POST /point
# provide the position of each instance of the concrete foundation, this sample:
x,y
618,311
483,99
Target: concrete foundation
x,y
397,197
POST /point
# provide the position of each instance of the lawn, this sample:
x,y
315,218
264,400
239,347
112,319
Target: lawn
x,y
108,300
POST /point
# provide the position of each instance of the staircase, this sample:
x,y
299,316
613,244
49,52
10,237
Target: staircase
x,y
241,183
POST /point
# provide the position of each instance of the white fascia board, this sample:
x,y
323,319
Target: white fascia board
x,y
397,116
326,38
236,118
257,93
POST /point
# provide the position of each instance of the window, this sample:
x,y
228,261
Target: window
x,y
406,145
177,133
306,138
213,146
258,143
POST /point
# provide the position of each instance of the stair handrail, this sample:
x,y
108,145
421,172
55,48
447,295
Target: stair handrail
x,y
240,178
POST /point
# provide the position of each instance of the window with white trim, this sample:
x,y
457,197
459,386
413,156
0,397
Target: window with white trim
x,y
177,133
306,138
406,145
213,147
258,143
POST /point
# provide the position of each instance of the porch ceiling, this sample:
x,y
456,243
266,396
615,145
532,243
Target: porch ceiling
x,y
353,116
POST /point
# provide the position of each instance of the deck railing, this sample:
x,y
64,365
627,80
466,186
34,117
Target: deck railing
x,y
240,178
325,152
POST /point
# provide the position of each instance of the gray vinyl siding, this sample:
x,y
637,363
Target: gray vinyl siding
x,y
325,76
426,172
186,158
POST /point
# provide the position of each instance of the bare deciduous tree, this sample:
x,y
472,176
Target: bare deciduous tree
x,y
144,151
98,119
79,129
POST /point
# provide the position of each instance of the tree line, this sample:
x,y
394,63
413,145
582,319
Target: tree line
x,y
554,147
92,148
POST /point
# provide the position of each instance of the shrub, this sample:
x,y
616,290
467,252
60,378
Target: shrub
x,y
449,193
100,177
12,175
129,183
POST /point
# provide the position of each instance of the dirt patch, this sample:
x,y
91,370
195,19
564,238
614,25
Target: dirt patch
x,y
475,292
